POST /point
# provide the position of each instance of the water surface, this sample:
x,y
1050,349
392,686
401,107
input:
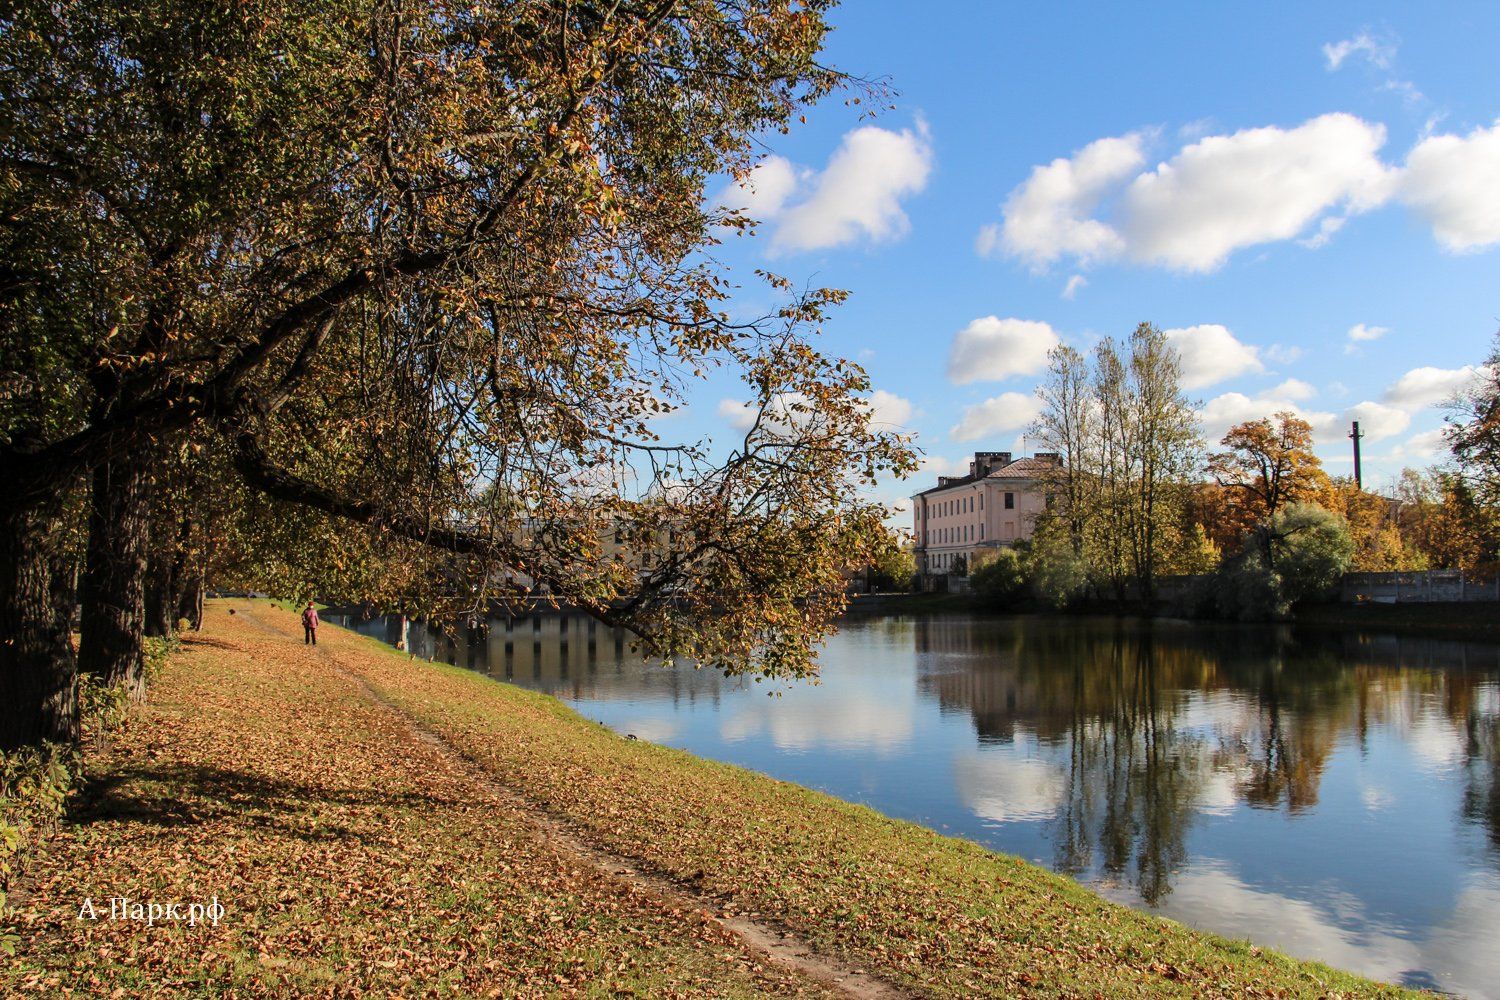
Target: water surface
x,y
1336,796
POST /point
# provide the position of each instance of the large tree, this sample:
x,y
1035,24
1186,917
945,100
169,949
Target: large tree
x,y
1128,443
432,269
1266,465
1473,432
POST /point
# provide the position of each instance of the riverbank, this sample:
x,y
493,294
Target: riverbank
x,y
375,823
1472,621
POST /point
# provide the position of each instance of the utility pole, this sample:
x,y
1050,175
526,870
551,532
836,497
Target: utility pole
x,y
1355,435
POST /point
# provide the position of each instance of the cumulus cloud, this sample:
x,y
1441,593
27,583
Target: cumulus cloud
x,y
1007,412
1224,193
1450,181
1379,53
1426,445
1259,185
738,415
991,349
1210,353
858,194
1223,412
784,410
763,191
1283,354
1428,386
1292,388
1048,215
1378,421
888,410
1359,333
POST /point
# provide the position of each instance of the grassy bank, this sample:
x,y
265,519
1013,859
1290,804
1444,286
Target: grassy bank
x,y
352,856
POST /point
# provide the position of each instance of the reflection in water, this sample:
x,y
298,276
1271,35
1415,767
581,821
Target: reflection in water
x,y
1333,795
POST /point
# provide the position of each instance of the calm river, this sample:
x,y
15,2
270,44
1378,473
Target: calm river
x,y
1336,796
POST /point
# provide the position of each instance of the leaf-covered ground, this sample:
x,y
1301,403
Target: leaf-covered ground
x,y
354,857
350,858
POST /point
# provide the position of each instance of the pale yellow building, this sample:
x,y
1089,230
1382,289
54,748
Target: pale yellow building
x,y
994,506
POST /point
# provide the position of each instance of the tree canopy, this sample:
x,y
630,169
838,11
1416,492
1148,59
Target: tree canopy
x,y
433,270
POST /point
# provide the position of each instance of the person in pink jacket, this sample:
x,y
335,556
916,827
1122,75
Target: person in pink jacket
x,y
310,625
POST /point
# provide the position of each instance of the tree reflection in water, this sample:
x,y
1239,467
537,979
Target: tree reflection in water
x,y
1158,724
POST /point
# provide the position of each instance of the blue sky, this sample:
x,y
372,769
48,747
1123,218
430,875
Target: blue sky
x,y
1309,193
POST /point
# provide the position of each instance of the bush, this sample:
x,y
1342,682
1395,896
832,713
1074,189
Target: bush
x,y
1001,578
1312,548
1059,576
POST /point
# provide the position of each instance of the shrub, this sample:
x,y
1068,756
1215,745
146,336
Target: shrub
x,y
1311,548
1001,578
1058,575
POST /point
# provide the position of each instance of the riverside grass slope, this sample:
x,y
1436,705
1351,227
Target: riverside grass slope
x,y
374,823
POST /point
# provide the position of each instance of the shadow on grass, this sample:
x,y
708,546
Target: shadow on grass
x,y
191,641
175,795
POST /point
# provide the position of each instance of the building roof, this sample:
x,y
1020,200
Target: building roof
x,y
1024,468
1021,468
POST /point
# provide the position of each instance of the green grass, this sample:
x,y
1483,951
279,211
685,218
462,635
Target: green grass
x,y
351,858
941,916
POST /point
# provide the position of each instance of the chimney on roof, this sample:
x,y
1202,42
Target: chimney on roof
x,y
1050,457
986,462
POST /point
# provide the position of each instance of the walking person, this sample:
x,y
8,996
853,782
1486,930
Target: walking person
x,y
309,625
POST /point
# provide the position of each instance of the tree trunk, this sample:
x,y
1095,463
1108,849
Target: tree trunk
x,y
37,667
190,599
114,605
163,593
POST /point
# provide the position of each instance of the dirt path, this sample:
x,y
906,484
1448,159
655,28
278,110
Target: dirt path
x,y
772,944
352,854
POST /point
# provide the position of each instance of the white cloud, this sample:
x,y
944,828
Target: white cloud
x,y
739,415
1047,216
1451,182
1292,388
784,410
1359,333
1223,412
1363,44
1281,354
1327,229
1218,194
1256,186
888,410
991,349
1224,193
1009,411
858,194
1428,386
1210,353
1075,283
1378,421
764,190
1426,444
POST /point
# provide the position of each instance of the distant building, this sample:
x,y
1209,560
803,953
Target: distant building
x,y
994,506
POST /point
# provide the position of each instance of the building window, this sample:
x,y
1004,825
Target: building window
x,y
981,501
981,531
1010,501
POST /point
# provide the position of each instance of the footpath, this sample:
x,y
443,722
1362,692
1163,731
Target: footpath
x,y
340,820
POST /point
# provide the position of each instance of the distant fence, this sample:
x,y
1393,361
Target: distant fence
x,y
1432,586
1429,587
